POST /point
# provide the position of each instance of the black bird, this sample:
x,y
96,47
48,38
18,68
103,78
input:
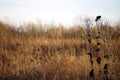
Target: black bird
x,y
91,74
97,18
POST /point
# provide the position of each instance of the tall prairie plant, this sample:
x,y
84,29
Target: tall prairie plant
x,y
107,45
89,38
98,25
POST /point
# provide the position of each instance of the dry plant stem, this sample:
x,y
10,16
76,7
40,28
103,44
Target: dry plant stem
x,y
98,24
106,55
91,73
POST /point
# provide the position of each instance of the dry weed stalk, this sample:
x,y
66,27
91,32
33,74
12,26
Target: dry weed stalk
x,y
98,25
107,46
89,38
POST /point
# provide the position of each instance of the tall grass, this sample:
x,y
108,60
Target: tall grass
x,y
34,52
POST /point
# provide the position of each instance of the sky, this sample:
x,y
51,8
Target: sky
x,y
57,11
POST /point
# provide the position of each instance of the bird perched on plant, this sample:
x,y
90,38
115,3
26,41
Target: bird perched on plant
x,y
97,18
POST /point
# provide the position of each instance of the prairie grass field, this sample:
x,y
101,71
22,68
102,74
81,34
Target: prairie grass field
x,y
35,52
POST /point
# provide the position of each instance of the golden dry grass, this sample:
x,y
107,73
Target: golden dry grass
x,y
34,53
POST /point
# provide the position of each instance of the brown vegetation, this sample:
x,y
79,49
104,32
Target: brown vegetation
x,y
33,52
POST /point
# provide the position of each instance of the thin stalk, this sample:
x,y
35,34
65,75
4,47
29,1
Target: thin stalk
x,y
98,24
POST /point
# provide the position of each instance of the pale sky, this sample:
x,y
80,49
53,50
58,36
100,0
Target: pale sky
x,y
58,11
